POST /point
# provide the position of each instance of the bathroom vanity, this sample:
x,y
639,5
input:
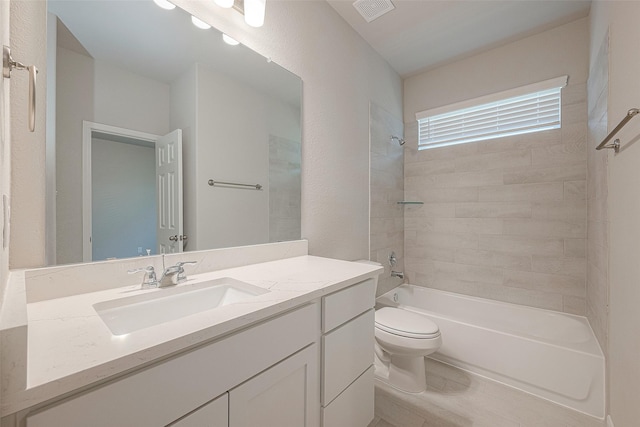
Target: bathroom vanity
x,y
297,353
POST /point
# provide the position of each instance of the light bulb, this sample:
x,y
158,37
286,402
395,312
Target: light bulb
x,y
230,40
165,4
224,3
254,12
200,24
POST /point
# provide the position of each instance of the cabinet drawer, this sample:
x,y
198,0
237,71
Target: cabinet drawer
x,y
162,393
213,414
346,304
348,352
353,407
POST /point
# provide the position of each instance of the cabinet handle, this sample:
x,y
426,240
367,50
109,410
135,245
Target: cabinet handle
x,y
8,64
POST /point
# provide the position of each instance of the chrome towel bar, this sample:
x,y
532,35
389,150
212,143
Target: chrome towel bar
x,y
235,184
616,144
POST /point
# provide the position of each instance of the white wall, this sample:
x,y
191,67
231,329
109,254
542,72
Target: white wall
x,y
27,248
620,18
340,74
98,92
233,146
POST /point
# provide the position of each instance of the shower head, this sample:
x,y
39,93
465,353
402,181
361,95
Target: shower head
x,y
401,141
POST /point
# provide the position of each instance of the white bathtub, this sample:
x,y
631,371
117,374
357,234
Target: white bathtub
x,y
549,354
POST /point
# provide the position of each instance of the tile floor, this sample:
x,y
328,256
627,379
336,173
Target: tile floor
x,y
455,398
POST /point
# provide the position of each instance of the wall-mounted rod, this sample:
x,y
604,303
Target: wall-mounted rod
x,y
616,144
235,184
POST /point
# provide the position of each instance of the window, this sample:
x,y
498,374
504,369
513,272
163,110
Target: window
x,y
526,109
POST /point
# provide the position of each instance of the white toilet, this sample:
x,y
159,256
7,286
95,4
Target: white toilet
x,y
403,338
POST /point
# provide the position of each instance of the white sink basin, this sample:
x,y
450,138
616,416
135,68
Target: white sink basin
x,y
130,314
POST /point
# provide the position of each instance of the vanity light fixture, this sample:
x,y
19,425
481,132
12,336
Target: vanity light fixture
x,y
229,40
254,12
165,4
200,24
224,3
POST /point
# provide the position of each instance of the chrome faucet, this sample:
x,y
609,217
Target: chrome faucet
x,y
398,274
149,280
175,274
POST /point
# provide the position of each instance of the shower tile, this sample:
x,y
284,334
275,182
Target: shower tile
x,y
574,305
575,247
574,113
499,160
567,210
575,267
550,191
493,259
493,210
575,190
545,228
546,174
436,195
522,245
521,142
544,282
563,154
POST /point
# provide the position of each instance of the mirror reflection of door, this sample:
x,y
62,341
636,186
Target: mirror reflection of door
x,y
133,203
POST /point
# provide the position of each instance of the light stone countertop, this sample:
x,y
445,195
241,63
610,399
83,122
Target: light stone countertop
x,y
69,346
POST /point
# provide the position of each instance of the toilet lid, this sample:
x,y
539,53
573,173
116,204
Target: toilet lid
x,y
405,323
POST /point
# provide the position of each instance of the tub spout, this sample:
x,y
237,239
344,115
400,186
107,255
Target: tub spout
x,y
398,274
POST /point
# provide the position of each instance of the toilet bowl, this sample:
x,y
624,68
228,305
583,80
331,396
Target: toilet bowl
x,y
403,338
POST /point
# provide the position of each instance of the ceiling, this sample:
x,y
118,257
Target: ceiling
x,y
422,34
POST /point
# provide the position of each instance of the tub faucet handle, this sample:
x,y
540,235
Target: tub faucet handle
x,y
398,274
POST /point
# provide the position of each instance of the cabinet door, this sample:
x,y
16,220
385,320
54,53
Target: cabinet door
x,y
213,414
286,394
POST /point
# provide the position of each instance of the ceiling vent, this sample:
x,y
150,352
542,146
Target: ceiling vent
x,y
373,9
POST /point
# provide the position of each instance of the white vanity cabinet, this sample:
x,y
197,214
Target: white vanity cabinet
x,y
347,356
261,368
212,414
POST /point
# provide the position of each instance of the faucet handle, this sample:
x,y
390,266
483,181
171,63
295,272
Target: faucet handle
x,y
181,275
149,280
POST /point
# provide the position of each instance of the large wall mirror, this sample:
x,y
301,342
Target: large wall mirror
x,y
162,137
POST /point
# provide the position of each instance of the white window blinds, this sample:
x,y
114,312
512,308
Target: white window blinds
x,y
526,109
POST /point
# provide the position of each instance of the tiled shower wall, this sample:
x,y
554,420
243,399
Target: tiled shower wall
x,y
387,189
284,189
503,219
597,210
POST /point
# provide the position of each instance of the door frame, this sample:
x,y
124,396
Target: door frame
x,y
87,130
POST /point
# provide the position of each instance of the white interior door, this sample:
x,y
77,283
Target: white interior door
x,y
169,192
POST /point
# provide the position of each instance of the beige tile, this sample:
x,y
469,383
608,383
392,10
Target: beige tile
x,y
575,248
522,296
493,210
430,210
521,245
574,305
574,113
439,195
574,94
447,240
493,259
521,142
558,155
545,174
499,160
575,190
575,267
462,225
428,167
544,228
542,282
574,210
461,179
395,414
522,192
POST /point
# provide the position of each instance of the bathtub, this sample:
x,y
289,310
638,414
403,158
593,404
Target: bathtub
x,y
548,354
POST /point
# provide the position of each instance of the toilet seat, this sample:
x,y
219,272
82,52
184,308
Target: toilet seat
x,y
405,323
